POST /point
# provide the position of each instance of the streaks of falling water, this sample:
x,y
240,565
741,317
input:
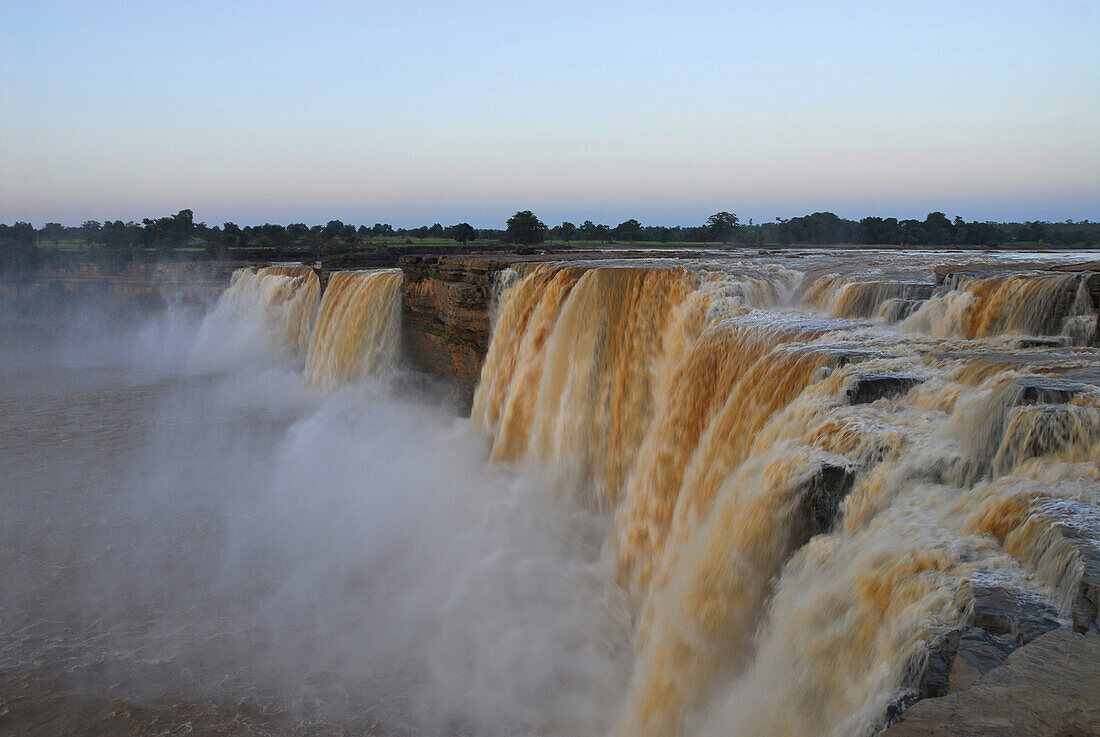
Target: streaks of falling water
x,y
282,297
703,430
357,329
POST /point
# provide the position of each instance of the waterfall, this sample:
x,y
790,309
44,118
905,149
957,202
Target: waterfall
x,y
282,297
971,306
799,506
357,331
805,477
980,306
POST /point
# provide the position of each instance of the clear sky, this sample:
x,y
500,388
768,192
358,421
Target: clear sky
x,y
422,111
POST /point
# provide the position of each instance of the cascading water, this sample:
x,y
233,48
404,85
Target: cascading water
x,y
270,309
967,305
975,306
289,294
707,431
357,329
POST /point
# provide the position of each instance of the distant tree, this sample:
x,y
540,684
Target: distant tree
x,y
1033,232
436,231
18,250
184,225
821,228
659,233
938,229
463,232
603,234
913,233
168,233
232,236
52,232
525,229
333,230
349,238
721,226
936,220
90,230
567,230
628,231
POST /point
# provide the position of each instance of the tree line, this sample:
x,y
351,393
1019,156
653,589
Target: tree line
x,y
23,246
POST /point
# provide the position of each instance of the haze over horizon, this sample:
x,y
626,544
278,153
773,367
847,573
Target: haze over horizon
x,y
424,111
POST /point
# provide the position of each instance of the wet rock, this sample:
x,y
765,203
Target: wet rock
x,y
1080,267
871,387
897,310
865,299
844,355
933,676
1001,620
946,272
1092,280
1044,390
1048,688
1017,615
1085,558
978,652
827,490
1086,605
1026,343
918,292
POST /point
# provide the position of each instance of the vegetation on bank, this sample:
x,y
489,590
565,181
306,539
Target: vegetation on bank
x,y
117,243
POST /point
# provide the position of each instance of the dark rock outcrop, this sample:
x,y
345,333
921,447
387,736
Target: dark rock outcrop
x,y
1048,688
827,490
1027,343
1016,615
1001,620
897,310
1074,529
871,387
1044,390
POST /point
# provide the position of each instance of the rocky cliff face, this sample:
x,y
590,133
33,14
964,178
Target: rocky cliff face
x,y
445,315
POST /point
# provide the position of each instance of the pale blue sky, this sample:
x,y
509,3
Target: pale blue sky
x,y
425,111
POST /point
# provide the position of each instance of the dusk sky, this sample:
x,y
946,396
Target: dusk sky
x,y
430,111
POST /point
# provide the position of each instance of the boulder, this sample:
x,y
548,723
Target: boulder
x,y
1048,688
897,310
1001,620
827,490
872,387
977,653
1027,343
1045,390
